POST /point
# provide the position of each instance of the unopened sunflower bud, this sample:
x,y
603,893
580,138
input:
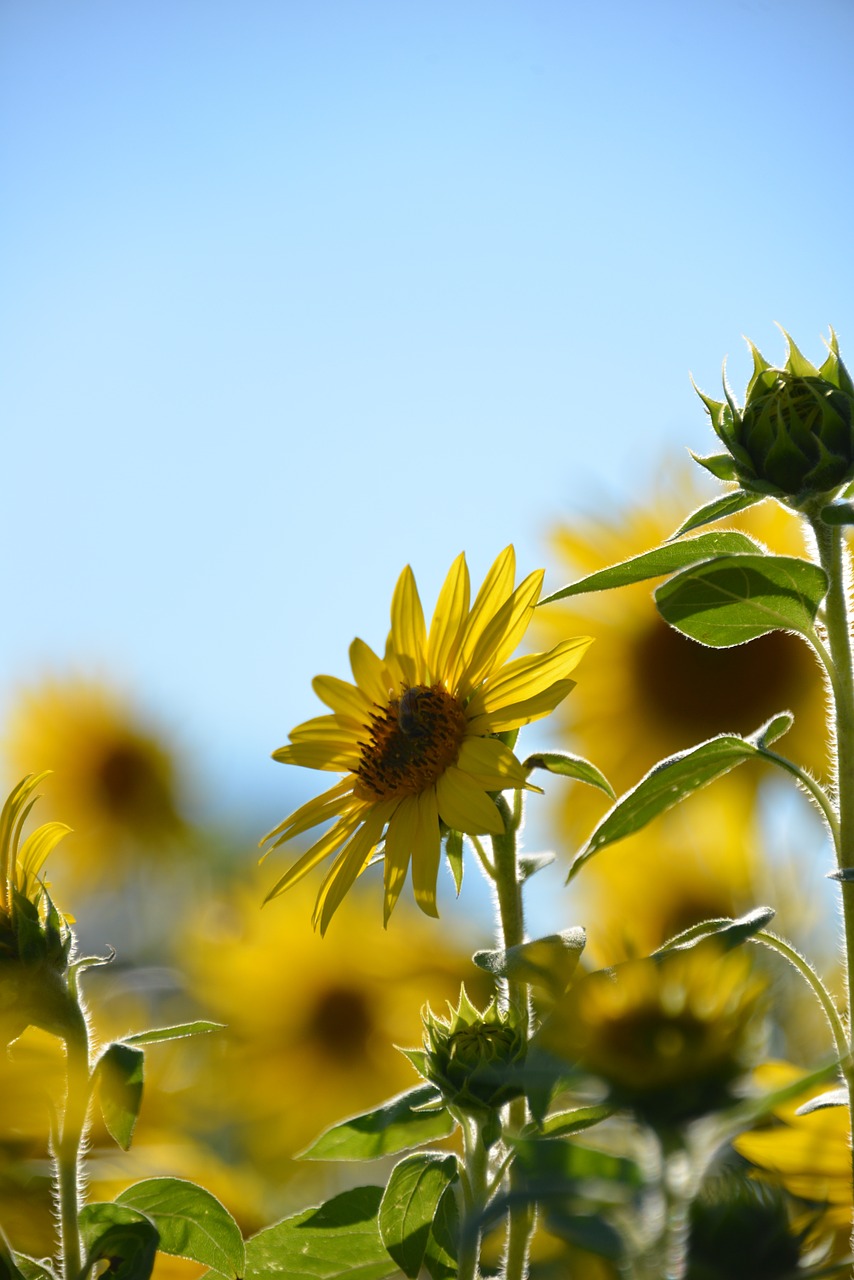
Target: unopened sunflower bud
x,y
794,436
473,1057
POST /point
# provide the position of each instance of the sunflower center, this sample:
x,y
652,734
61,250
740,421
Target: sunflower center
x,y
412,742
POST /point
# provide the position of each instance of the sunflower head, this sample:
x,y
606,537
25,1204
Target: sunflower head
x,y
417,734
669,1035
741,1230
35,941
472,1056
794,436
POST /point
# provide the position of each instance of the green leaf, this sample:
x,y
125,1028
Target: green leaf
x,y
454,854
118,1079
548,962
9,1269
830,1098
531,863
729,505
397,1125
159,1034
728,932
575,1120
838,513
569,766
660,562
672,779
192,1223
35,1268
844,874
409,1205
728,601
720,465
440,1257
339,1239
120,1236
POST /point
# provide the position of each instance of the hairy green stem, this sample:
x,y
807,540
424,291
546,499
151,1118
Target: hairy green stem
x,y
815,983
475,1182
837,623
69,1140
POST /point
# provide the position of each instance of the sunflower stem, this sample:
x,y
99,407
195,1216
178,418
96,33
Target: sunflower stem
x,y
476,1196
68,1141
833,559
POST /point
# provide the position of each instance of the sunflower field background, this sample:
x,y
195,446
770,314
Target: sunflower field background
x,y
295,295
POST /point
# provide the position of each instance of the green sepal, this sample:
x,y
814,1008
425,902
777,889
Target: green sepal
x,y
158,1034
118,1079
726,931
720,465
531,863
660,561
569,766
333,1241
837,513
678,776
548,962
120,1236
401,1123
454,854
440,1256
191,1222
409,1205
830,1098
719,508
728,601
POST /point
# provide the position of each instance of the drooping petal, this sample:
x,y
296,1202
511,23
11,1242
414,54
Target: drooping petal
x,y
311,814
502,633
350,863
447,625
519,713
399,846
328,843
465,807
345,699
490,764
427,853
408,632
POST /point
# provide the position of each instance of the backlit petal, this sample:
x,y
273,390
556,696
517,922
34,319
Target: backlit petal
x,y
446,628
465,807
427,853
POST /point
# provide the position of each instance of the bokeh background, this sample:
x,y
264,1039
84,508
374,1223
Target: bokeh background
x,y
294,294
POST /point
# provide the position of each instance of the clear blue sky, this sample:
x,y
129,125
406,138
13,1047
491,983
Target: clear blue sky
x,y
294,293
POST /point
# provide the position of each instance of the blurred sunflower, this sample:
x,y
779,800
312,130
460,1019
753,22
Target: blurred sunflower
x,y
311,1026
810,1155
416,735
652,691
112,779
32,1076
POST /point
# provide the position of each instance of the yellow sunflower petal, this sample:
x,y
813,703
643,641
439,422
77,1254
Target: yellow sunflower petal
x,y
528,676
465,807
321,849
408,632
490,764
519,713
446,627
502,633
399,844
344,698
320,809
336,757
369,672
496,589
326,729
427,853
350,864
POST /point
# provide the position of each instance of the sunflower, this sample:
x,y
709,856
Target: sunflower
x,y
653,691
112,778
417,734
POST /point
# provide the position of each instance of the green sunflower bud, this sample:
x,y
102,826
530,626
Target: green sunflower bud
x,y
793,438
473,1057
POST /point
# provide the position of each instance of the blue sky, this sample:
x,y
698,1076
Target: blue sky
x,y
296,293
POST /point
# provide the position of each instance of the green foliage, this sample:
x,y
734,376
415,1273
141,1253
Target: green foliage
x,y
660,562
120,1236
409,1120
454,854
564,1123
336,1240
730,504
409,1205
119,1080
569,766
158,1034
730,600
547,962
440,1256
192,1223
678,776
726,932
